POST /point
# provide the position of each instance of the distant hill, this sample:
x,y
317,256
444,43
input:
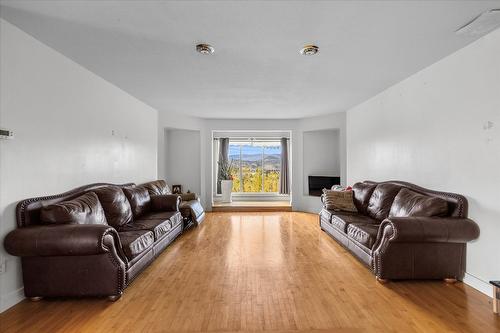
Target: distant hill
x,y
255,157
253,160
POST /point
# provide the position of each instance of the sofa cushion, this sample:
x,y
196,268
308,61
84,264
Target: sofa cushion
x,y
116,206
139,200
176,219
135,242
339,200
341,220
159,227
381,200
157,187
363,233
411,203
158,215
85,209
362,194
326,215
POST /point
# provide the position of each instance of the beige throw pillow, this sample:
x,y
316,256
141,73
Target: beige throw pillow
x,y
339,200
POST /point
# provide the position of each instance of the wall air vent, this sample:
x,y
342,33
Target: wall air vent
x,y
6,134
481,24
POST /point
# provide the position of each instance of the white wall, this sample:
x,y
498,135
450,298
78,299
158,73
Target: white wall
x,y
247,125
308,203
63,117
183,159
321,155
440,129
174,119
300,201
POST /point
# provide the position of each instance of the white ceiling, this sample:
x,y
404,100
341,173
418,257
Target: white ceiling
x,y
147,49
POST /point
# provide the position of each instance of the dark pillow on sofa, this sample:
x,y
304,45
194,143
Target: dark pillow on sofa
x,y
381,200
157,187
85,209
165,202
411,203
362,194
115,204
139,199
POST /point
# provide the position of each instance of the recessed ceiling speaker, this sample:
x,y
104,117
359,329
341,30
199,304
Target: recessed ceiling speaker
x,y
205,49
481,24
309,50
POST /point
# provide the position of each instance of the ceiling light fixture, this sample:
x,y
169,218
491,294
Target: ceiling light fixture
x,y
205,49
309,50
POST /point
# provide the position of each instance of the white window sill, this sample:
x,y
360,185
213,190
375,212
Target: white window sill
x,y
255,196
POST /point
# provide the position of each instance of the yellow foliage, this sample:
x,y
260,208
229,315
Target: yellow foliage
x,y
252,180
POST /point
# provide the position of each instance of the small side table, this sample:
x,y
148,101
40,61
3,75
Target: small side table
x,y
496,296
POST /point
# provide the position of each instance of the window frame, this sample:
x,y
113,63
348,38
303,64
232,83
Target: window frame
x,y
250,141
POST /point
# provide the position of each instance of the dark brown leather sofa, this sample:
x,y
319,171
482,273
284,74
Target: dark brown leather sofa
x,y
403,231
93,240
190,206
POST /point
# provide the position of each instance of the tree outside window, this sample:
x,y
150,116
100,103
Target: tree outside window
x,y
256,165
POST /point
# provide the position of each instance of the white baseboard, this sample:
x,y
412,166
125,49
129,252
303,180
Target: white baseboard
x,y
11,299
478,284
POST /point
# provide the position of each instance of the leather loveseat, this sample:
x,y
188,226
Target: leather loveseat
x,y
403,231
93,240
190,207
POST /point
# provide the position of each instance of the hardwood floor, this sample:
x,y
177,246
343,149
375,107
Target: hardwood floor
x,y
262,272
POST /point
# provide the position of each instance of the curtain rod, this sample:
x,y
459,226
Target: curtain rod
x,y
252,138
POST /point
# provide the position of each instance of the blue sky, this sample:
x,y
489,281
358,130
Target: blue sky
x,y
250,150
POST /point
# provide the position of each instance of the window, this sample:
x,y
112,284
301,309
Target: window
x,y
255,165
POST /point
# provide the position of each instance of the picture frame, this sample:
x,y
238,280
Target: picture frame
x,y
176,189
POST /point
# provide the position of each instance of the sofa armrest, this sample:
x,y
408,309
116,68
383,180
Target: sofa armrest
x,y
189,197
165,202
63,240
428,229
438,243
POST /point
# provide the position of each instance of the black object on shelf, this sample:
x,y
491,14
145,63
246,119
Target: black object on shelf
x,y
318,183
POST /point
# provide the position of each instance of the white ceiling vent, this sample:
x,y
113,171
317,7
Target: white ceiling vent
x,y
481,24
205,49
309,50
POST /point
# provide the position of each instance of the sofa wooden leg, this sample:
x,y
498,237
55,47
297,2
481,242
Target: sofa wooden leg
x,y
35,299
450,280
382,281
114,298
